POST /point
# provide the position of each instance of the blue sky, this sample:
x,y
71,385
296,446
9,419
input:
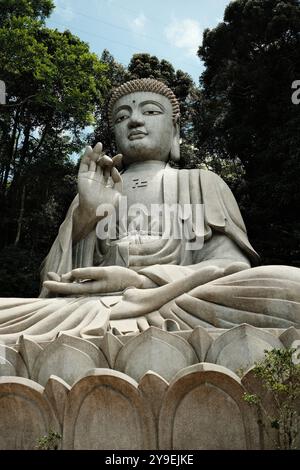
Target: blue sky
x,y
169,29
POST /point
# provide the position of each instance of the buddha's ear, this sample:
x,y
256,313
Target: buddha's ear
x,y
175,147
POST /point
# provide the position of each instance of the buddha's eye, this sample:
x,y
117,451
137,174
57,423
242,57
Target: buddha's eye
x,y
121,118
151,113
151,110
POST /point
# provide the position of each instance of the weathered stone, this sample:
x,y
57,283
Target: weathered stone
x,y
29,350
106,410
153,387
291,339
201,342
26,415
204,409
110,345
67,357
240,347
155,350
170,325
193,271
11,363
56,391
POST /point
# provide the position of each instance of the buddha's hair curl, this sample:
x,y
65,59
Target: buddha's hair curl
x,y
143,84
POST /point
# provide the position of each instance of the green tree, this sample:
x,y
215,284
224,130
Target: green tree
x,y
54,85
147,66
279,374
115,74
246,115
35,9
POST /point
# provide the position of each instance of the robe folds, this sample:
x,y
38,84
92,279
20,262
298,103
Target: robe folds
x,y
263,296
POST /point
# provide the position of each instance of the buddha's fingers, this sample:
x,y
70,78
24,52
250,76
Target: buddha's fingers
x,y
90,287
138,302
98,148
118,160
115,175
85,161
53,276
105,162
93,273
65,277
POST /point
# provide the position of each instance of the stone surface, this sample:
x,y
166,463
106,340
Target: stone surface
x,y
155,350
67,357
239,348
139,280
56,391
196,274
29,350
201,342
204,409
153,387
110,345
105,410
11,363
26,415
290,338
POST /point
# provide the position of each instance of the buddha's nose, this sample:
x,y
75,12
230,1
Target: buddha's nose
x,y
136,120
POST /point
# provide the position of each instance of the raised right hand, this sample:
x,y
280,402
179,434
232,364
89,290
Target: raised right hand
x,y
99,181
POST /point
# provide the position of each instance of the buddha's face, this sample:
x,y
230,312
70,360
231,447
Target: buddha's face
x,y
144,128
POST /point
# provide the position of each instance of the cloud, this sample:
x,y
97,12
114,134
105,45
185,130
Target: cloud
x,y
138,23
185,34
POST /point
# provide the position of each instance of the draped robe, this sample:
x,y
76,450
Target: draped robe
x,y
265,296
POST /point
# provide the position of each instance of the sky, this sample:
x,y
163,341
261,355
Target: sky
x,y
168,29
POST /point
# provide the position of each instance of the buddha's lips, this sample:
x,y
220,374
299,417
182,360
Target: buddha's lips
x,y
136,135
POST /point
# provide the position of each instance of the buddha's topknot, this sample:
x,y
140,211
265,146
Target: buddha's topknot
x,y
143,84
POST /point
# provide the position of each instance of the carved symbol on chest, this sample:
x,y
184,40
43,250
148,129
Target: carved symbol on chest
x,y
139,183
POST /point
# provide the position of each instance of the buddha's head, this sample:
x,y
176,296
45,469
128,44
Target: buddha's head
x,y
144,115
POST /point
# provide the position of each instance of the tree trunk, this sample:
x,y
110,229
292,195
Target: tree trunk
x,y
21,216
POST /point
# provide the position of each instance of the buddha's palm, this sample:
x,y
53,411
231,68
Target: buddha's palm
x,y
99,182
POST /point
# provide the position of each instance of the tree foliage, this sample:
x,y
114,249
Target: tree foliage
x,y
35,9
53,85
147,66
246,115
279,374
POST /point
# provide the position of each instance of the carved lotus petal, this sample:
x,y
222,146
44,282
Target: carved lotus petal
x,y
26,414
240,347
291,339
106,410
155,350
56,391
204,408
67,357
11,363
153,387
201,341
110,345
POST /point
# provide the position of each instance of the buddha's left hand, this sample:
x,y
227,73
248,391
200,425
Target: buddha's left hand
x,y
94,280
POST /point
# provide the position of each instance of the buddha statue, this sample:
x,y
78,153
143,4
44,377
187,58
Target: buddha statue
x,y
145,244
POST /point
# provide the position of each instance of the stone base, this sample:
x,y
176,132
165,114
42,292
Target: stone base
x,y
151,390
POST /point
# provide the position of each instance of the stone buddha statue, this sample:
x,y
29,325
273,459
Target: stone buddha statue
x,y
146,244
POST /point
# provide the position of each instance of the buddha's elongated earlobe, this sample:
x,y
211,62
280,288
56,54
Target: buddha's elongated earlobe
x,y
175,147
